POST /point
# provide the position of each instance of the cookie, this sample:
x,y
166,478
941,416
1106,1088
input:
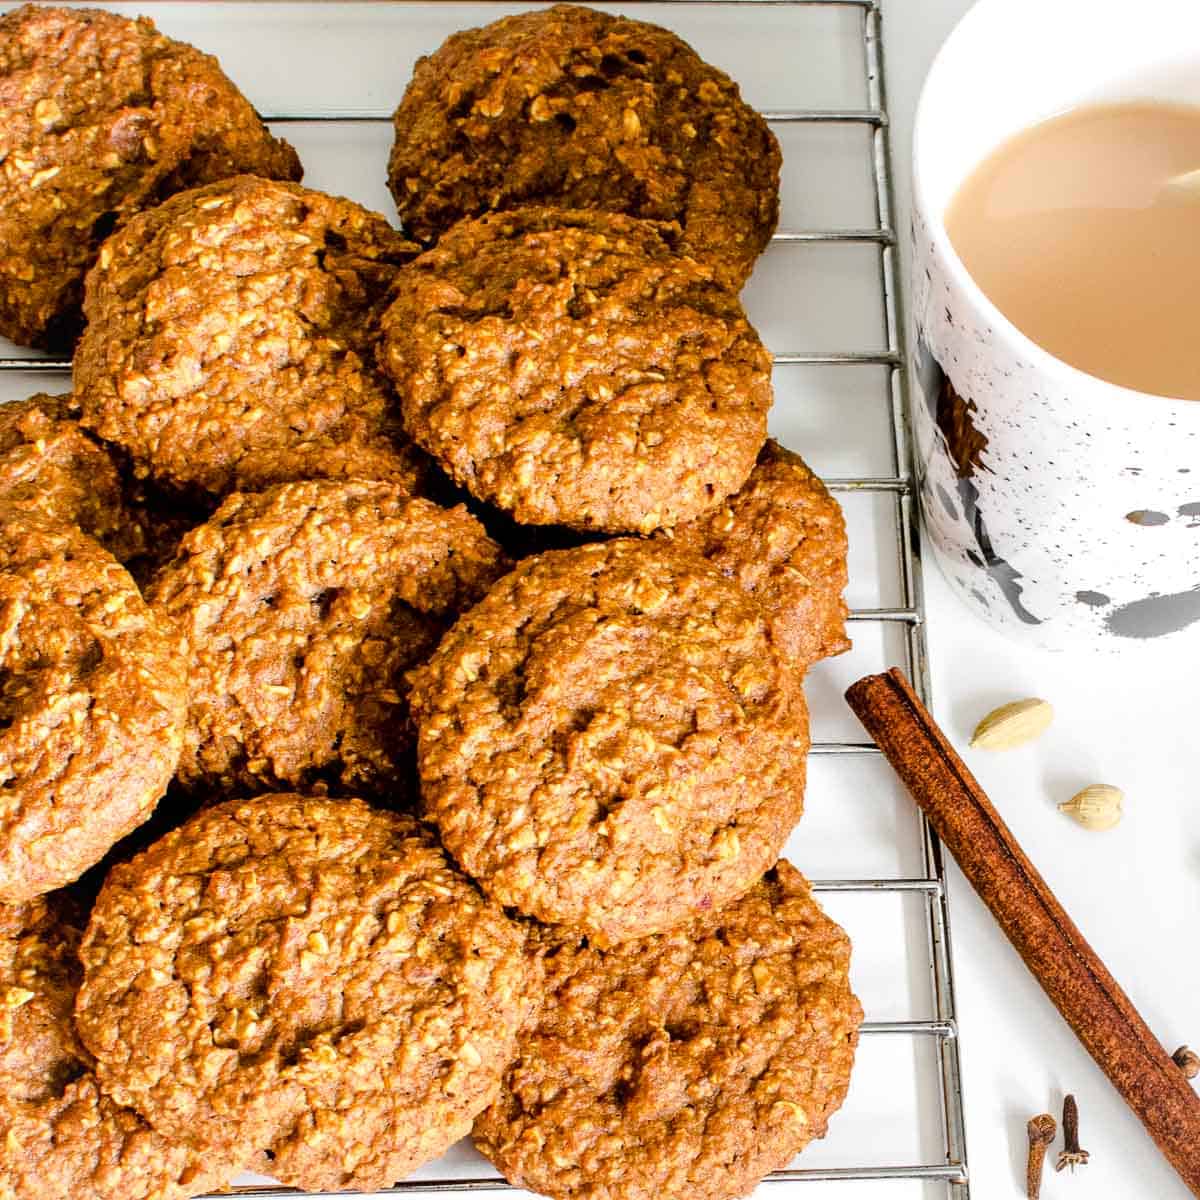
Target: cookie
x,y
573,369
231,340
49,464
59,1134
92,704
39,975
692,1063
307,977
610,739
584,109
783,539
102,117
299,610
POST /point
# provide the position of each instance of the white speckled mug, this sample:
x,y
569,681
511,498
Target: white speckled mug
x,y
1063,509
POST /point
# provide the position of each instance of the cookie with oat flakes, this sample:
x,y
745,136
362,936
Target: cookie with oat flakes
x,y
573,369
92,704
231,340
610,739
299,610
586,109
50,464
692,1063
783,539
59,1134
102,117
307,977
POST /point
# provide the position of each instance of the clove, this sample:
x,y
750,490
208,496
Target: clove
x,y
1188,1061
1041,1130
1072,1156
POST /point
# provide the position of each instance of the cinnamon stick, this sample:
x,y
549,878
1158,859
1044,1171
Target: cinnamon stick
x,y
1089,998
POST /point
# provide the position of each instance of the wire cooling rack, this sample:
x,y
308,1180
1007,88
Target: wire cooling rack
x,y
328,76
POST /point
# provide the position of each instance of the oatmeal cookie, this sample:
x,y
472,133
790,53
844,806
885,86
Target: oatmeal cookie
x,y
49,464
102,117
585,109
59,1135
92,704
572,369
611,740
783,538
307,977
231,340
688,1064
39,975
299,610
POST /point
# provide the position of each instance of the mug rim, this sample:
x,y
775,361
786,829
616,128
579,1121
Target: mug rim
x,y
1041,359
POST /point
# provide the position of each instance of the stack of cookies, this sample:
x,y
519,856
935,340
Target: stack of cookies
x,y
402,635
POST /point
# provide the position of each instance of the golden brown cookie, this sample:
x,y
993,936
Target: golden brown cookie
x,y
299,611
92,704
60,1136
611,740
692,1064
231,340
39,975
308,977
102,117
573,369
584,109
783,539
49,464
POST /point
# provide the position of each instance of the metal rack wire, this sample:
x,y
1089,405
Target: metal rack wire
x,y
908,614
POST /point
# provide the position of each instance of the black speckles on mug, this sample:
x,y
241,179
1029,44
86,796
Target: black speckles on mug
x,y
1147,517
1155,615
964,444
1092,599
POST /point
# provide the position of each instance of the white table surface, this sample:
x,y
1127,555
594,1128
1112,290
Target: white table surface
x,y
1135,891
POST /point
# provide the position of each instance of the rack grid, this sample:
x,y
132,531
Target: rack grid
x,y
908,615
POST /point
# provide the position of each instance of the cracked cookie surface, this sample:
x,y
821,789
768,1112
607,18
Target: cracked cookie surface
x,y
50,464
610,740
59,1135
102,117
92,703
584,109
782,537
309,978
231,340
299,610
573,369
692,1063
